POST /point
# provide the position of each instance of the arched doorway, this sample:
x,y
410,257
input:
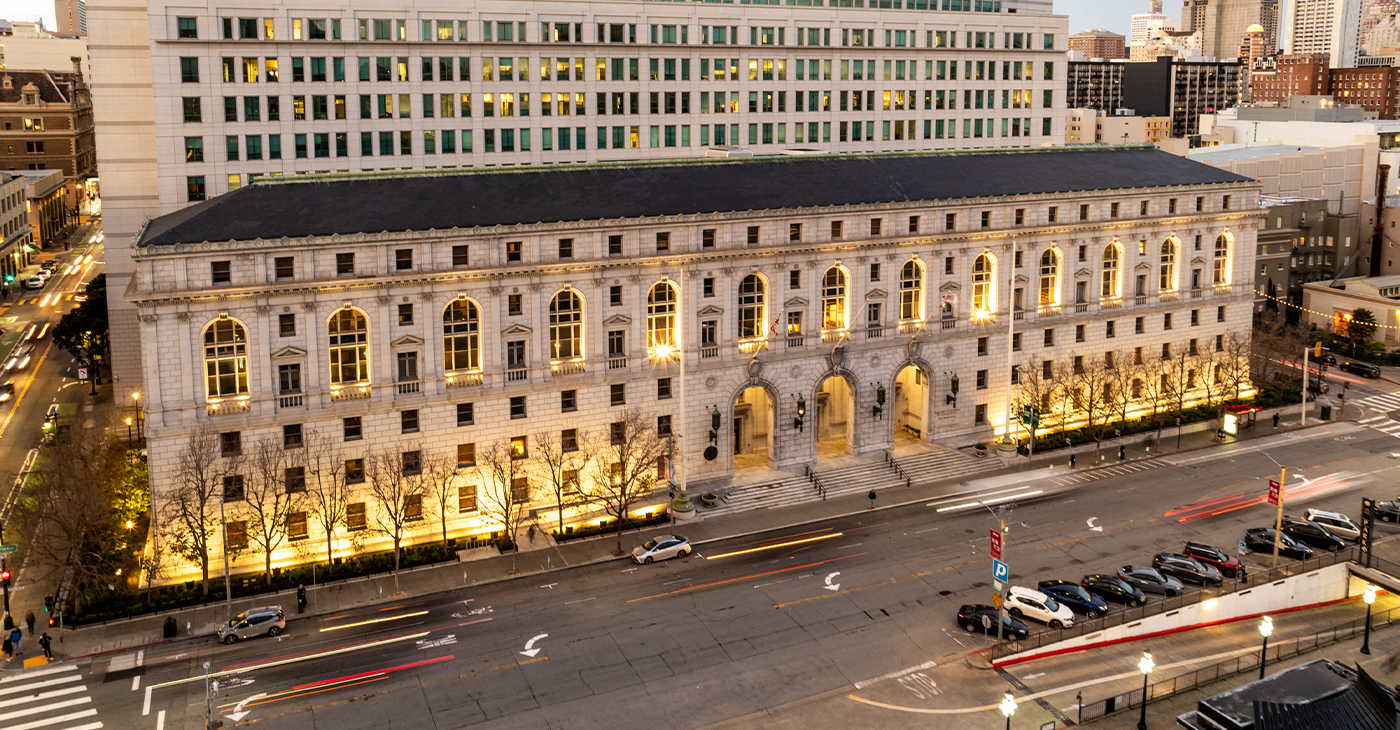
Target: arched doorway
x,y
835,417
911,404
753,429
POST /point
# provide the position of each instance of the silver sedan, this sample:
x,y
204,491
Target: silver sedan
x,y
661,548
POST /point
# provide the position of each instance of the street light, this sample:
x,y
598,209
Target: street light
x,y
1145,666
1008,708
1266,627
1370,598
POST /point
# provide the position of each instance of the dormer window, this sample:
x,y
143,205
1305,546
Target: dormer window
x,y
31,98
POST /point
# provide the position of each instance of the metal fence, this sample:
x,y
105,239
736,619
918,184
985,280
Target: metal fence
x,y
1121,616
1276,652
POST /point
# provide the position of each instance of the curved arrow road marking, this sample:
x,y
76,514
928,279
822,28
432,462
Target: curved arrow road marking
x,y
832,586
530,650
1091,525
239,713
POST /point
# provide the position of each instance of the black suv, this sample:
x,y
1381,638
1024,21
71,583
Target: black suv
x,y
1364,369
1312,534
1187,569
1111,588
1261,540
979,617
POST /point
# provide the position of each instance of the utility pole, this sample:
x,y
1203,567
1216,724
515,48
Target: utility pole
x,y
228,584
1278,518
208,700
1303,410
1001,604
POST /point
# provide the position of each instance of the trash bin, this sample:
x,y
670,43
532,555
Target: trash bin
x,y
1326,412
169,628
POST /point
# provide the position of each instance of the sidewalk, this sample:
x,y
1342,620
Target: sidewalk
x,y
428,580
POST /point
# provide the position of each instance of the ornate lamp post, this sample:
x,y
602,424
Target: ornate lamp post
x,y
1008,708
1145,666
1266,627
1370,598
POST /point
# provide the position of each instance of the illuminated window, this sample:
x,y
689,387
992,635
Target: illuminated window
x,y
226,358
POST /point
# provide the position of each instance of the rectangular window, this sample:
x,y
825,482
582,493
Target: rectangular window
x,y
466,415
230,443
220,272
355,511
408,421
618,394
353,428
286,325
291,436
466,455
466,494
460,257
753,236
289,378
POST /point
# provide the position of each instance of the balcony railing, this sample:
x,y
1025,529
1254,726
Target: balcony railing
x,y
291,400
1197,293
948,324
709,351
406,387
1081,307
1019,315
873,331
1168,296
1110,303
1222,288
1047,310
461,380
229,407
834,335
617,363
796,340
754,345
909,328
1140,300
517,375
352,392
561,367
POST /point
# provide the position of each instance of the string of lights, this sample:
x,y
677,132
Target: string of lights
x,y
1325,315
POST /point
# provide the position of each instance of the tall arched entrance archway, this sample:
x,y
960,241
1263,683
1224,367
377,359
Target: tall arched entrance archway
x,y
835,417
753,429
911,404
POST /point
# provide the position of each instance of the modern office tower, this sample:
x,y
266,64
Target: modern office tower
x,y
72,16
1325,26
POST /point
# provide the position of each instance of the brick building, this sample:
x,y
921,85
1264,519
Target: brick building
x,y
46,124
1299,74
1098,43
1373,88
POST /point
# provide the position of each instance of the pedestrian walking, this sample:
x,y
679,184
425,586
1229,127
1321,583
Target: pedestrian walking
x,y
301,599
7,648
1071,461
46,643
29,620
15,636
872,499
1275,420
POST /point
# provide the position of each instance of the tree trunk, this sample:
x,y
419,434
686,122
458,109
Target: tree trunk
x,y
330,553
268,563
620,513
204,568
396,564
561,514
444,534
1098,446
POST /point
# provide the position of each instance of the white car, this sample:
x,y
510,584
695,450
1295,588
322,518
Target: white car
x,y
34,282
1027,603
1335,522
661,548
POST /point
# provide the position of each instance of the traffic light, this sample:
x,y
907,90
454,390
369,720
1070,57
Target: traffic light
x,y
1317,349
5,577
48,603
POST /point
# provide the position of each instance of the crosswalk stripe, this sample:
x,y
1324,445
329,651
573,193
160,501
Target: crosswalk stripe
x,y
36,685
32,673
56,720
29,712
43,696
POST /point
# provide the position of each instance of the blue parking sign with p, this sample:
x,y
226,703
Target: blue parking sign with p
x,y
1000,571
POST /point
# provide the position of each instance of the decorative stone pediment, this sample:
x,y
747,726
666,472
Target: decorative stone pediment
x,y
950,286
710,311
795,303
288,353
1020,279
516,329
1082,272
876,294
617,319
1198,260
406,341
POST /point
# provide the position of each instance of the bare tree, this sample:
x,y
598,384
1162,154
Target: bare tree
x,y
70,514
1236,362
268,494
327,491
626,468
1157,391
396,488
440,488
191,509
1036,389
1091,392
1125,380
561,459
505,488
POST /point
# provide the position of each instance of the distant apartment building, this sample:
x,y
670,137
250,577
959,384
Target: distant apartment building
x,y
1168,87
1095,85
1222,23
1143,25
50,216
1298,74
15,231
46,123
1325,26
1098,43
72,16
1374,88
35,47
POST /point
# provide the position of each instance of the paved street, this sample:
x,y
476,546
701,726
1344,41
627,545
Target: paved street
x,y
774,631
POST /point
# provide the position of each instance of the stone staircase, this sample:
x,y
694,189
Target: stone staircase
x,y
938,464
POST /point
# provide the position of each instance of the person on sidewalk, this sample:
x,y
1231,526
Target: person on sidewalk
x,y
6,647
872,499
1275,420
46,643
301,598
29,621
15,636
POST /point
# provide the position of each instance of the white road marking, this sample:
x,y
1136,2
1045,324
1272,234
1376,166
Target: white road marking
x,y
32,673
530,651
160,720
56,720
832,586
37,685
146,706
581,600
43,695
895,675
136,683
29,712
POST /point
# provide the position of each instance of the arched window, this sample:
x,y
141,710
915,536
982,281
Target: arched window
x,y
834,299
1109,288
566,326
661,318
982,270
349,347
1167,279
461,339
911,291
226,358
751,312
1221,271
1049,278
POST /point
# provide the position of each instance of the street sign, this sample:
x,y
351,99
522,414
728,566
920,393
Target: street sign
x,y
1242,550
996,601
82,373
1368,519
996,544
8,548
1000,571
1274,488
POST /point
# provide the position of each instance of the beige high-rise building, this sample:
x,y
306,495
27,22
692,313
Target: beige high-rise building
x,y
72,16
1222,24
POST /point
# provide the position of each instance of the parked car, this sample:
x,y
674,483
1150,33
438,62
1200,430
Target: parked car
x,y
1187,569
979,617
1072,595
1213,556
1335,522
1317,386
44,274
50,264
1388,511
34,282
1261,540
1026,603
1149,580
267,620
661,548
1312,534
1364,369
1111,588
